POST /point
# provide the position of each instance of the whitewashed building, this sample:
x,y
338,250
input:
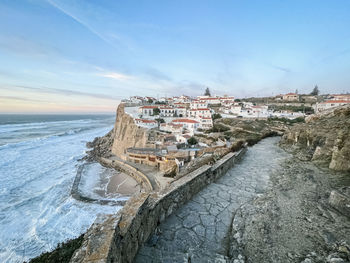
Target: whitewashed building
x,y
146,123
195,104
180,111
171,127
166,111
318,107
200,112
206,123
147,110
188,124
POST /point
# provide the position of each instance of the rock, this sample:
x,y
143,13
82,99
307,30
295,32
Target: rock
x,y
323,138
306,260
340,202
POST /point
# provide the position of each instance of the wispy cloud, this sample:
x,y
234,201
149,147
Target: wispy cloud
x,y
84,24
115,75
18,98
64,92
284,69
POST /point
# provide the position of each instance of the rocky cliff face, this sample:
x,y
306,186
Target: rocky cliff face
x,y
324,138
125,134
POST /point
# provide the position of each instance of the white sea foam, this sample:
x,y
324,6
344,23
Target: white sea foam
x,y
36,176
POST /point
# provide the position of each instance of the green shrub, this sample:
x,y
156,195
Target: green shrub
x,y
62,253
192,141
219,128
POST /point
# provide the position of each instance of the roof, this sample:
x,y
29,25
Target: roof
x,y
185,121
146,121
291,93
166,108
199,109
149,107
143,150
337,101
209,98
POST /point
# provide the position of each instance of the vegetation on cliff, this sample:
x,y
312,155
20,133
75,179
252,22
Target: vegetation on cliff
x,y
62,253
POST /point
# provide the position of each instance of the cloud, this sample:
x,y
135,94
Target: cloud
x,y
84,24
16,98
286,70
61,92
115,75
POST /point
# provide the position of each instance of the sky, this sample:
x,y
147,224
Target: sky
x,y
84,56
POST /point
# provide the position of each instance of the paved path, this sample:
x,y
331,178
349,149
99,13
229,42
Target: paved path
x,y
198,232
155,177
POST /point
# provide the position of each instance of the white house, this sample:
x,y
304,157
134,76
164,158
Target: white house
x,y
146,123
180,111
205,122
236,109
171,127
210,100
260,111
318,107
195,104
136,99
200,112
340,97
166,111
227,100
147,110
188,124
291,97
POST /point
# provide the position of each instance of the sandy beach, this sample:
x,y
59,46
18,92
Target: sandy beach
x,y
122,184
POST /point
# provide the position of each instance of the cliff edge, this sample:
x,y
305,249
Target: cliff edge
x,y
324,138
125,134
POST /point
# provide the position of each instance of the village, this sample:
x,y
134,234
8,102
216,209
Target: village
x,y
175,124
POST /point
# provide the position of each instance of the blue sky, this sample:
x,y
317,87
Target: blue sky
x,y
84,56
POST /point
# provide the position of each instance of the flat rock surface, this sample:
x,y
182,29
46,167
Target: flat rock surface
x,y
200,231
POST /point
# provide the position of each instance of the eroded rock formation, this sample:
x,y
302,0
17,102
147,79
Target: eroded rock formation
x,y
324,138
125,134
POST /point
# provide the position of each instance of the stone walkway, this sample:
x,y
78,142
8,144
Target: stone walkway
x,y
199,231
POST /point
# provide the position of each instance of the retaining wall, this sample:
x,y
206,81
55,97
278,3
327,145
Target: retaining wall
x,y
117,238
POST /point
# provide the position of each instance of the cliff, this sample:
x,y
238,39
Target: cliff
x,y
324,138
125,134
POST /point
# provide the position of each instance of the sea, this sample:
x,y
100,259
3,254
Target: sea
x,y
39,158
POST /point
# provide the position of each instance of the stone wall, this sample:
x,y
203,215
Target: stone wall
x,y
117,238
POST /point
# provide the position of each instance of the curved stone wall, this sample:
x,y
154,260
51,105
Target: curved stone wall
x,y
117,238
